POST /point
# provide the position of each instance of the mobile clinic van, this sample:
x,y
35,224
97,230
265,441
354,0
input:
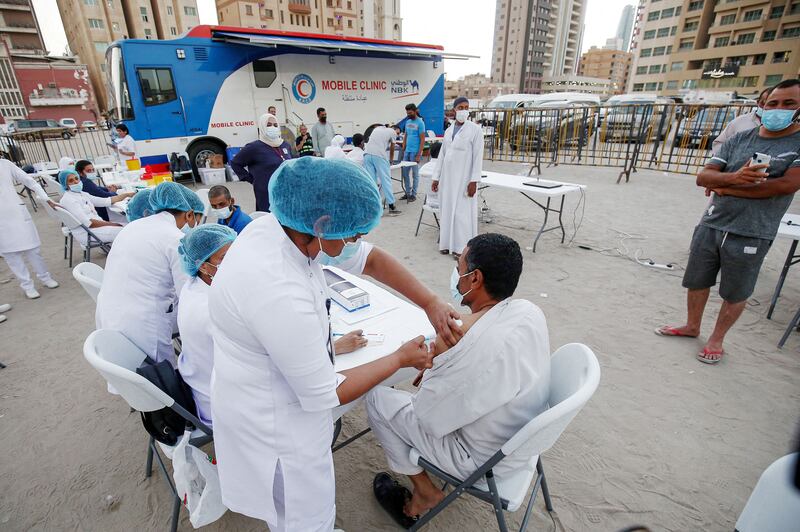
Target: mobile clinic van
x,y
204,91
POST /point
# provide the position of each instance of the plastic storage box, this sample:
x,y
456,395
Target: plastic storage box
x,y
212,176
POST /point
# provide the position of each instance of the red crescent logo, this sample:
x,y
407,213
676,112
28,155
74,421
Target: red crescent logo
x,y
300,88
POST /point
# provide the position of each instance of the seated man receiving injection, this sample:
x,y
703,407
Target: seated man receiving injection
x,y
478,393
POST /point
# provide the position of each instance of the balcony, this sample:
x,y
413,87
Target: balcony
x,y
299,7
14,5
16,27
56,101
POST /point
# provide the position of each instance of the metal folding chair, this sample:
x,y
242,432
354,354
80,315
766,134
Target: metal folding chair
x,y
116,359
793,324
574,377
430,203
92,240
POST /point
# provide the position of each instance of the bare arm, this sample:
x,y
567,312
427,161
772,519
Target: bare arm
x,y
421,144
382,267
789,183
712,176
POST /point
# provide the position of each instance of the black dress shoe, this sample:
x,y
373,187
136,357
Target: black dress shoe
x,y
393,497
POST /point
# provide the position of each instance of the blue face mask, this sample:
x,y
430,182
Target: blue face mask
x,y
458,297
777,119
76,188
759,111
348,252
92,176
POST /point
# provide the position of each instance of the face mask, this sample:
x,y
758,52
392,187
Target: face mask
x,y
222,214
211,277
777,119
76,188
458,297
348,252
186,227
462,115
273,132
92,176
759,111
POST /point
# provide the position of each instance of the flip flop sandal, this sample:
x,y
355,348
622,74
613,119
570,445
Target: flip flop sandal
x,y
393,497
671,331
701,356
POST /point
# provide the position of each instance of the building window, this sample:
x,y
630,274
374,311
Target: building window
x,y
727,19
173,31
115,26
157,85
746,38
148,33
96,23
706,84
169,10
663,32
638,87
330,22
666,13
795,9
143,12
651,86
641,70
689,84
221,18
649,34
248,10
777,12
268,13
695,5
768,36
678,65
100,46
190,11
752,15
264,73
291,18
653,15
773,79
654,69
748,81
759,59
90,2
781,57
677,11
646,52
658,50
669,49
788,33
672,85
721,41
686,44
349,23
691,25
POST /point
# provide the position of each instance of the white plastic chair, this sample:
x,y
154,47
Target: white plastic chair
x,y
430,203
90,277
116,358
574,377
774,504
257,214
203,194
92,240
64,230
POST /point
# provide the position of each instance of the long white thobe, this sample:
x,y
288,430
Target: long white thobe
x,y
459,164
476,396
142,280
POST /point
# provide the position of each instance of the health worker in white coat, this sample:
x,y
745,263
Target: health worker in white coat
x,y
144,274
455,178
19,239
274,386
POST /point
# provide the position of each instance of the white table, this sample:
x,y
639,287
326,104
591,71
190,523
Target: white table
x,y
403,322
789,228
536,195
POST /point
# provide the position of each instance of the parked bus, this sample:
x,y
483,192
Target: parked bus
x,y
204,91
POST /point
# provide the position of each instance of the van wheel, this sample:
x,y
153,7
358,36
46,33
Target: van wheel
x,y
202,151
66,136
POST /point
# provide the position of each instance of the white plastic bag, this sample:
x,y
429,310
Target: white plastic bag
x,y
197,483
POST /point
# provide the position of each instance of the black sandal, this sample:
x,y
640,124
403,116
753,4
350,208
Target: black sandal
x,y
393,497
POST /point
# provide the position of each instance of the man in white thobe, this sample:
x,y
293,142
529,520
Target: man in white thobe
x,y
457,174
479,393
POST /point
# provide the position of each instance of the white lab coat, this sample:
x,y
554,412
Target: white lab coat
x,y
142,280
459,163
476,396
82,206
197,344
128,144
274,386
17,231
356,155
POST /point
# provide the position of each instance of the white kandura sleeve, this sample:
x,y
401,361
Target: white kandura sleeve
x,y
71,202
25,179
96,201
477,156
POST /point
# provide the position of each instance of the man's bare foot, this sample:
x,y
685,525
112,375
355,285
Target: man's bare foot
x,y
683,330
422,502
711,353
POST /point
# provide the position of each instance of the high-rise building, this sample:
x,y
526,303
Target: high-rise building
x,y
684,46
91,25
536,39
625,26
378,19
19,28
611,64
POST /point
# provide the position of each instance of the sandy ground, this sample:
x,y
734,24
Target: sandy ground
x,y
665,441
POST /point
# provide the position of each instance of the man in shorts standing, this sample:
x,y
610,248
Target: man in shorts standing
x,y
740,223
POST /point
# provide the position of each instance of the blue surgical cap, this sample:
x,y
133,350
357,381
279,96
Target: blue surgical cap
x,y
329,198
63,175
202,242
139,205
172,196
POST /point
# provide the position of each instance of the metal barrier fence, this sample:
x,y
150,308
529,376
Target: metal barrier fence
x,y
670,137
38,146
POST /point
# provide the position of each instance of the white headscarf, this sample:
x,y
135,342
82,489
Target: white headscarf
x,y
337,141
65,163
262,130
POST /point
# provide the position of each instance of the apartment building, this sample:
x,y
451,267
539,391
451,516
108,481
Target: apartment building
x,y
683,46
475,87
378,19
625,27
536,40
610,64
91,25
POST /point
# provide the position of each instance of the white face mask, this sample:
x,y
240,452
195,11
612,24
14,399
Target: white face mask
x,y
223,213
462,115
273,132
